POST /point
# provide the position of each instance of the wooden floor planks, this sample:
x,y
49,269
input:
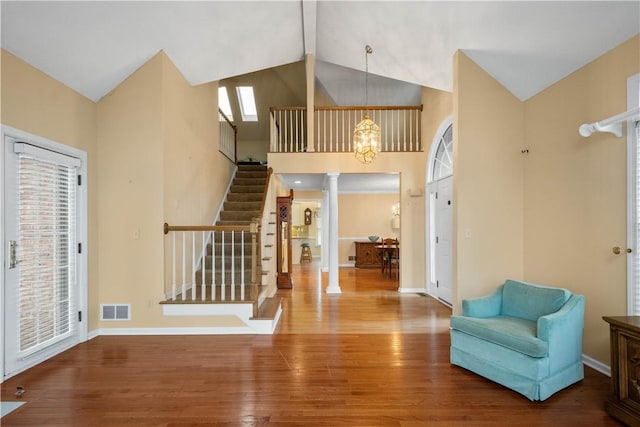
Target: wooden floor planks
x,y
367,357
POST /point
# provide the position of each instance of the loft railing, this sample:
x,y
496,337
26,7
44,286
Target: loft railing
x,y
228,137
334,126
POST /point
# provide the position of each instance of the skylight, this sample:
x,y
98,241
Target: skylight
x,y
223,102
247,103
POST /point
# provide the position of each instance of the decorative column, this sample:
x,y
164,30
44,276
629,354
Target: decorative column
x,y
334,286
311,80
325,231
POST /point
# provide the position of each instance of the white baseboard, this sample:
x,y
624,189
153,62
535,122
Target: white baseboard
x,y
597,365
412,290
178,331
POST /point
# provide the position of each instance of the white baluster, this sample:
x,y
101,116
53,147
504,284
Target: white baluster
x,y
184,265
193,266
204,266
173,266
222,287
242,265
213,266
233,266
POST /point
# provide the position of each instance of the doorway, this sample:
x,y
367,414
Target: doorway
x,y
440,214
44,228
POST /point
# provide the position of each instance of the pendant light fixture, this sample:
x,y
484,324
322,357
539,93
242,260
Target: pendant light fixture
x,y
366,136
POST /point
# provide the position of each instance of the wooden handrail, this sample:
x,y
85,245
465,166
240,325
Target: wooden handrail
x,y
235,128
351,108
370,107
168,228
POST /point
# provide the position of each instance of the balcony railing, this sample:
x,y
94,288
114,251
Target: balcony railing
x,y
334,126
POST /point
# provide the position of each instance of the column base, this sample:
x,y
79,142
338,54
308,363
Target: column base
x,y
334,290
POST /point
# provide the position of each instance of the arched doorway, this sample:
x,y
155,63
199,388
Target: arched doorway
x,y
440,214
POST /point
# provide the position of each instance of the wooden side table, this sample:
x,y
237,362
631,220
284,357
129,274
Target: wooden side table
x,y
625,369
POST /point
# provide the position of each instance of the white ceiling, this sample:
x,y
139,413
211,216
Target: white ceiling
x,y
527,46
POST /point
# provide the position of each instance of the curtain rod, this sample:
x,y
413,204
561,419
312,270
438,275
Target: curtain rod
x,y
612,124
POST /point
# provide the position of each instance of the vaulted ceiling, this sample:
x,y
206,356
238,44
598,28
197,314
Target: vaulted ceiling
x,y
527,46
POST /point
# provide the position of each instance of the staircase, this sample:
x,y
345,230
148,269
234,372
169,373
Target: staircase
x,y
227,267
243,204
244,199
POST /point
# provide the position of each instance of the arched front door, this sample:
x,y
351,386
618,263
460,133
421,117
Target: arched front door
x,y
440,214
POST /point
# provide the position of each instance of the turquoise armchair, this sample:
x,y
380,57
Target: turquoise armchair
x,y
526,337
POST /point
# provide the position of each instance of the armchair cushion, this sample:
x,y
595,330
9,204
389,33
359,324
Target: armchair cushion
x,y
528,301
511,332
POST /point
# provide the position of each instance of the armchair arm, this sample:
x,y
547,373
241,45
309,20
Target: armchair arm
x,y
487,306
563,331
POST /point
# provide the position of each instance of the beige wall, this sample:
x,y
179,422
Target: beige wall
x,y
158,161
488,128
360,216
257,150
575,190
37,104
130,177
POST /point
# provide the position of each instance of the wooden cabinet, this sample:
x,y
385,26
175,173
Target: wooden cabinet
x,y
625,369
367,255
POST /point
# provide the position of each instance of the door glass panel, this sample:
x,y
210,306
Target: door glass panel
x,y
46,226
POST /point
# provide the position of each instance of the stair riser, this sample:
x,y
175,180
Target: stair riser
x,y
249,181
242,206
247,189
244,197
251,174
238,215
259,168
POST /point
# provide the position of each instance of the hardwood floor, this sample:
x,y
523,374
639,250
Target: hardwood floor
x,y
368,357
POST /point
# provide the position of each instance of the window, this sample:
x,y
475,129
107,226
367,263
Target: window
x,y
247,103
223,103
443,160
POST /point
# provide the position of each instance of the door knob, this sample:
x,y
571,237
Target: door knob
x,y
617,250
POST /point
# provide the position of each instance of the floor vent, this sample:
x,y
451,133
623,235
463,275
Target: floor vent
x,y
115,311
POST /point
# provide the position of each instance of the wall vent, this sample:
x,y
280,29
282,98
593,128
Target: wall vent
x,y
115,311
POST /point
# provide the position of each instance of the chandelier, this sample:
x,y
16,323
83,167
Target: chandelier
x,y
366,136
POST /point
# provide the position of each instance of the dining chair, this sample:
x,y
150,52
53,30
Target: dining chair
x,y
388,253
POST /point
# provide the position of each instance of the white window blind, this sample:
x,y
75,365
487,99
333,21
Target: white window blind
x,y
47,250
